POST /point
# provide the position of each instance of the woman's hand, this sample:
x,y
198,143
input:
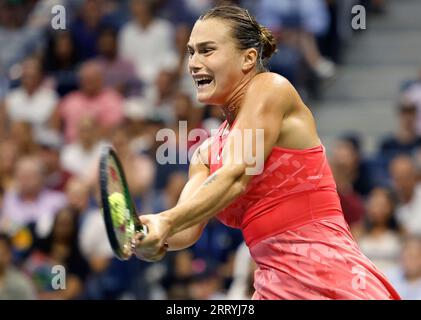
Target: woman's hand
x,y
152,246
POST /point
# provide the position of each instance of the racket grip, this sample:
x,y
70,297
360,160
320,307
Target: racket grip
x,y
143,229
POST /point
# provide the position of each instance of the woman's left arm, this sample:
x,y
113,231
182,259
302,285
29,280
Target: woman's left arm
x,y
268,99
265,104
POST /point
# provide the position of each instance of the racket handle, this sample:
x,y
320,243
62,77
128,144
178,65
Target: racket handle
x,y
143,229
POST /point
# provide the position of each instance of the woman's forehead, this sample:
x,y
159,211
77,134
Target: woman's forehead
x,y
210,30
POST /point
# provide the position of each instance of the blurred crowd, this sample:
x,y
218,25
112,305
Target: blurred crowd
x,y
118,74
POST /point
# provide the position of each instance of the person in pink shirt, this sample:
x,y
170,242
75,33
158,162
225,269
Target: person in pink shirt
x,y
104,105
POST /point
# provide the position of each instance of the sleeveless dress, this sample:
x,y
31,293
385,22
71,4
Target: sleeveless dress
x,y
292,221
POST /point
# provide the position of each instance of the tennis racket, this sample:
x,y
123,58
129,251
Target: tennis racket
x,y
119,212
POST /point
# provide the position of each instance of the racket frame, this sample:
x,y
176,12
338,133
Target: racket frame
x,y
108,153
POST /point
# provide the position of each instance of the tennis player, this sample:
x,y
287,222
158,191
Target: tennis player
x,y
290,214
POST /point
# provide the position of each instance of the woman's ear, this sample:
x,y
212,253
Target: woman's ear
x,y
249,59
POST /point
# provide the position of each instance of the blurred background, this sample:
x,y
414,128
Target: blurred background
x,y
118,73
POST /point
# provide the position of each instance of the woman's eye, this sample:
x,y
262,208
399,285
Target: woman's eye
x,y
207,50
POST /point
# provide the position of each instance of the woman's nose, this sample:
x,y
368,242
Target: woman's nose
x,y
194,64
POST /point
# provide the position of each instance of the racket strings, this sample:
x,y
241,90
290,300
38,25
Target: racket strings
x,y
120,212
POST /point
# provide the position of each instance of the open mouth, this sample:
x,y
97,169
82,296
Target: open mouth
x,y
203,82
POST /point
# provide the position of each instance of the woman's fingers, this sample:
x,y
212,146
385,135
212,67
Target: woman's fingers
x,y
151,256
151,246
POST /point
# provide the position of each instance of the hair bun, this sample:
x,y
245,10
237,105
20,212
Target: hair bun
x,y
268,41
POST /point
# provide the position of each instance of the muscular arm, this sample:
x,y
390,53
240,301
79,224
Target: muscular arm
x,y
265,104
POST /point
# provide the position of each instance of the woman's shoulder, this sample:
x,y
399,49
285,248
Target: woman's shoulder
x,y
271,79
270,83
272,88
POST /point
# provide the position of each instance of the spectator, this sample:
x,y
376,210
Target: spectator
x,y
29,201
118,72
408,189
93,239
351,201
79,157
85,29
302,21
55,176
407,278
61,61
379,235
161,96
94,242
347,158
14,285
148,42
95,248
17,40
104,105
32,101
60,247
77,193
405,140
157,100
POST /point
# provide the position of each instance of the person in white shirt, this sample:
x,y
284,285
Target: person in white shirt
x,y
78,158
32,102
148,42
404,178
379,235
407,278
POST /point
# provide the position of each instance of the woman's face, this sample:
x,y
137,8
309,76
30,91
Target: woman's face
x,y
215,63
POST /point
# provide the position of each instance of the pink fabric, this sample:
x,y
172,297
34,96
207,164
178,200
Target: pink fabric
x,y
292,222
293,182
319,260
106,108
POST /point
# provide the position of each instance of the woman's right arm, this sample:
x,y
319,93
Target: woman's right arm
x,y
198,173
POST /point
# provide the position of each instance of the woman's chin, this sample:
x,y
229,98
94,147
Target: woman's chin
x,y
208,98
203,98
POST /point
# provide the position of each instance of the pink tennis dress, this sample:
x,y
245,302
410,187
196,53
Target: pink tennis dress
x,y
292,222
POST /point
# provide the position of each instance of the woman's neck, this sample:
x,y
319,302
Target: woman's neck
x,y
235,100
